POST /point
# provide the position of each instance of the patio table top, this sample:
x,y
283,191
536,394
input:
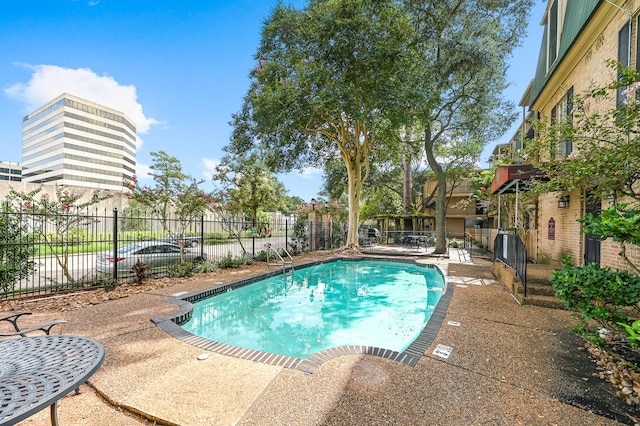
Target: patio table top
x,y
35,372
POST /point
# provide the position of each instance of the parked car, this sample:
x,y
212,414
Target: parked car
x,y
156,255
184,240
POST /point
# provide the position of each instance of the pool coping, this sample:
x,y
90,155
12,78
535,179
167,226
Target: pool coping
x,y
410,356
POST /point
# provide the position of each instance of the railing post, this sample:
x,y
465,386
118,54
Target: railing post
x,y
115,244
202,234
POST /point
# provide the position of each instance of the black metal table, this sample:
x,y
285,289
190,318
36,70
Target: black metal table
x,y
35,372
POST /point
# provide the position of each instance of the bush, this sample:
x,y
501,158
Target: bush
x,y
300,239
16,249
597,293
262,255
182,271
206,266
230,262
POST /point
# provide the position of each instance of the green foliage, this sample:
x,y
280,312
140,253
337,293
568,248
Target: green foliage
x,y
617,222
300,238
246,186
230,262
597,293
57,221
605,144
262,255
633,333
16,249
182,270
291,204
589,335
205,267
175,199
620,224
107,281
456,83
328,79
381,202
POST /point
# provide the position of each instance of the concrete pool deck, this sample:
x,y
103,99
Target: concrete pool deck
x,y
508,365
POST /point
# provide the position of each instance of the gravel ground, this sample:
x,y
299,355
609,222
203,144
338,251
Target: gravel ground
x,y
509,365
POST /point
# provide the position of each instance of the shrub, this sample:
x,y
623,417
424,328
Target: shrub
x,y
262,255
182,271
597,293
230,262
300,238
16,249
205,266
140,271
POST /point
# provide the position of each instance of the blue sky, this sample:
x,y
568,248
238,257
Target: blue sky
x,y
178,68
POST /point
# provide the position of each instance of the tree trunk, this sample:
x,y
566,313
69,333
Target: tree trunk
x,y
441,194
355,186
407,189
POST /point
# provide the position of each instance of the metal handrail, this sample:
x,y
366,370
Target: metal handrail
x,y
282,262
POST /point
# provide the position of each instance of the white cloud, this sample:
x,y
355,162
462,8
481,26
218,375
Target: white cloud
x,y
143,171
208,167
310,173
49,81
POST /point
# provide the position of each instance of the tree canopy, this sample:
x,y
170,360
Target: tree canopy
x,y
461,49
248,186
341,78
174,195
327,77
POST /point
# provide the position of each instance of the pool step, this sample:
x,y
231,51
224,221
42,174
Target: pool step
x,y
287,263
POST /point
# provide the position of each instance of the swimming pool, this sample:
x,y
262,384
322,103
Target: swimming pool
x,y
375,306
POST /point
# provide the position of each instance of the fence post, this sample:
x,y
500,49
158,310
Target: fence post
x,y
202,234
286,233
115,244
253,238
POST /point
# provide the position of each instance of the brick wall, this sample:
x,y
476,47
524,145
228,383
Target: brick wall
x,y
559,233
583,69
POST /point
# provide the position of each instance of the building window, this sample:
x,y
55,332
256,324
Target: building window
x,y
562,114
624,53
552,34
638,45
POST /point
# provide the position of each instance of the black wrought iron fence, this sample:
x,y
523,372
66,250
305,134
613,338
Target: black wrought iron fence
x,y
43,253
510,249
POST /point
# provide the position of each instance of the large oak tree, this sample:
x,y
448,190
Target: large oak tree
x,y
460,50
327,79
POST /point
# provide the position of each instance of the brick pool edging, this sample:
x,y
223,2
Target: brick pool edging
x,y
410,356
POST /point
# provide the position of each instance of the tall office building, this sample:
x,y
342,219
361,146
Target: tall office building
x,y
75,142
10,171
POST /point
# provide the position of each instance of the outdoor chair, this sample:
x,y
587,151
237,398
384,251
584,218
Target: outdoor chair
x,y
13,319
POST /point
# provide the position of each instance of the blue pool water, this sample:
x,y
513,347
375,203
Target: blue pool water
x,y
369,303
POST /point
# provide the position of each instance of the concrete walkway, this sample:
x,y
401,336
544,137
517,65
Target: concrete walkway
x,y
508,365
